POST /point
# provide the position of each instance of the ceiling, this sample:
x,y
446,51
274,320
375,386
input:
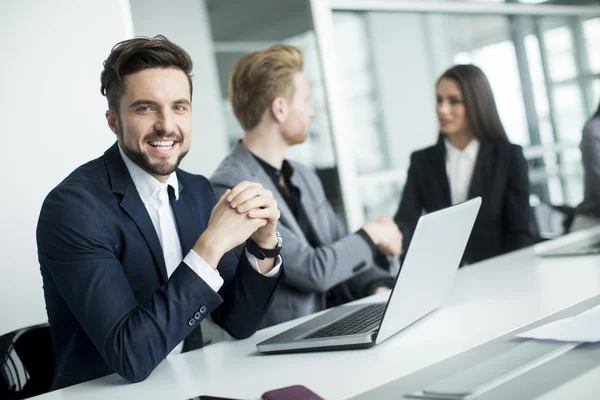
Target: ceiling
x,y
257,20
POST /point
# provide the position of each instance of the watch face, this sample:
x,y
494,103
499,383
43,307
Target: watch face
x,y
279,239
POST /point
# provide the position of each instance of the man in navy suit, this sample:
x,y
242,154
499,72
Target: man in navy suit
x,y
134,252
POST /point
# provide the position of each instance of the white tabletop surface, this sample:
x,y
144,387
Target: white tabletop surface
x,y
488,299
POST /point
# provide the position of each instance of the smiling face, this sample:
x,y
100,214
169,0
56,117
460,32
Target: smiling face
x,y
154,124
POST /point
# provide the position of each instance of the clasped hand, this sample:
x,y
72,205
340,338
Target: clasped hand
x,y
246,211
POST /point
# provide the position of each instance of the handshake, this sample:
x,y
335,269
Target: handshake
x,y
386,236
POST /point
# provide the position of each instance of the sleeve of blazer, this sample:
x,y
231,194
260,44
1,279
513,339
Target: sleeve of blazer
x,y
365,282
369,276
246,293
318,269
410,208
590,151
246,297
517,212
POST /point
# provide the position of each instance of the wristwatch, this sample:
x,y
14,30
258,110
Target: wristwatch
x,y
262,253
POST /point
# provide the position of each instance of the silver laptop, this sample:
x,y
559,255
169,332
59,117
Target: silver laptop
x,y
422,284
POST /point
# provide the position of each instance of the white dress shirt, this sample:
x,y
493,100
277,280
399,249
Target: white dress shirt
x,y
155,197
460,165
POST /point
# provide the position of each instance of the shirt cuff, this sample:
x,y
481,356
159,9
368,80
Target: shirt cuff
x,y
207,273
363,234
254,263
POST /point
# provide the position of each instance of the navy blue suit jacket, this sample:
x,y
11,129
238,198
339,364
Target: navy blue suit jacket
x,y
110,305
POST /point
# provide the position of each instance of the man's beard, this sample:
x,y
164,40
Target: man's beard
x,y
143,161
298,137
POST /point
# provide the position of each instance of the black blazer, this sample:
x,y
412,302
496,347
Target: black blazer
x,y
110,305
500,178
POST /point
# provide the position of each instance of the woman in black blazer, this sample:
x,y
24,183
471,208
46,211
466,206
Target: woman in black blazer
x,y
473,157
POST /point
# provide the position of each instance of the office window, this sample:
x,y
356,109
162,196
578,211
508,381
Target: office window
x,y
499,62
318,150
572,173
569,111
381,197
591,32
559,50
540,91
389,63
545,178
360,92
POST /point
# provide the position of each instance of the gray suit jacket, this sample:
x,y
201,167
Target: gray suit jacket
x,y
309,271
590,156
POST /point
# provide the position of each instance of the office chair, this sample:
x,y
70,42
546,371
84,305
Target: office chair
x,y
26,362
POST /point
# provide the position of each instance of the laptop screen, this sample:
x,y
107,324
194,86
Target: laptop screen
x,y
429,267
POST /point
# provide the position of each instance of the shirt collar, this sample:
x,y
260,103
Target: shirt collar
x,y
145,183
286,169
470,151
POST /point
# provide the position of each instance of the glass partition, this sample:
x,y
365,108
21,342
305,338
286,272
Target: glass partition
x,y
543,71
373,66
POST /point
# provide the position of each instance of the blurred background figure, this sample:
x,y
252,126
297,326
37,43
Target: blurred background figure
x,y
325,265
588,213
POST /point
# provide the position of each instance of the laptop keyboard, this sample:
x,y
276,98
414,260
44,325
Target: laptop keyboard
x,y
357,322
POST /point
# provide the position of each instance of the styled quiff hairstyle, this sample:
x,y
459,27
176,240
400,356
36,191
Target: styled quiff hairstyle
x,y
133,55
260,77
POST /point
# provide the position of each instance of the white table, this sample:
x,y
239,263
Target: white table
x,y
488,299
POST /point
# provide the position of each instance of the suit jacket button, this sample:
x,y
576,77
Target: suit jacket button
x,y
191,322
203,309
197,315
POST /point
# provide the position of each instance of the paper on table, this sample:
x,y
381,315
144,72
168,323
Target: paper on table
x,y
584,327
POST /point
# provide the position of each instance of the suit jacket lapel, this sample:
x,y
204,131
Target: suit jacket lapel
x,y
188,229
438,165
186,219
132,204
309,207
259,175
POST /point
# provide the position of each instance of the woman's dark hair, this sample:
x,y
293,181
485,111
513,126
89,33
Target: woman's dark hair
x,y
133,55
597,113
482,114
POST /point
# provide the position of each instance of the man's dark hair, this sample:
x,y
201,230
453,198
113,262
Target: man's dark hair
x,y
133,55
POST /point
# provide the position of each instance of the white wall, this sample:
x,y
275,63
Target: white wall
x,y
187,25
53,113
52,121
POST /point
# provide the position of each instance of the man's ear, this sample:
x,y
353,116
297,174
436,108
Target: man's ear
x,y
113,121
279,109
